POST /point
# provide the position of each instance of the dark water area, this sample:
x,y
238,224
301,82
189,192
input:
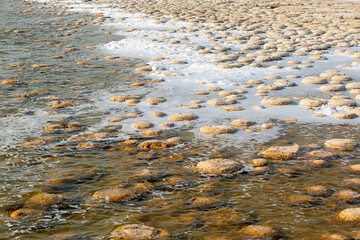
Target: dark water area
x,y
52,142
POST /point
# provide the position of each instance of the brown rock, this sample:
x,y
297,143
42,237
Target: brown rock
x,y
154,144
276,101
139,232
115,195
142,125
44,200
240,122
217,129
348,196
318,191
331,236
341,144
322,154
27,214
261,231
206,202
182,117
302,200
218,166
350,215
281,152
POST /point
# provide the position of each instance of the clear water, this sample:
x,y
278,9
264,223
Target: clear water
x,y
30,35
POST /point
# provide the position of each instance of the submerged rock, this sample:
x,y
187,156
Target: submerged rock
x,y
261,231
61,180
217,129
282,152
45,200
154,144
139,232
350,215
206,202
276,101
116,195
301,200
27,214
182,117
142,125
348,196
332,236
322,154
318,191
69,236
227,218
341,144
218,166
240,122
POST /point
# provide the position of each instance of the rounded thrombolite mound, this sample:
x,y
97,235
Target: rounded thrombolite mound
x,y
348,196
322,154
341,144
353,182
344,115
155,101
301,200
149,175
355,92
139,232
45,200
281,152
227,218
333,88
259,170
61,178
260,231
218,166
355,167
341,101
124,98
207,202
318,163
350,215
353,85
276,101
27,214
318,191
259,162
312,102
314,80
220,101
285,83
240,122
269,87
153,132
154,144
142,125
227,93
158,114
217,129
214,89
333,236
115,195
177,117
68,236
167,124
231,108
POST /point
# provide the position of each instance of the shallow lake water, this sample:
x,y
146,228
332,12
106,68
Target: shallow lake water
x,y
60,78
